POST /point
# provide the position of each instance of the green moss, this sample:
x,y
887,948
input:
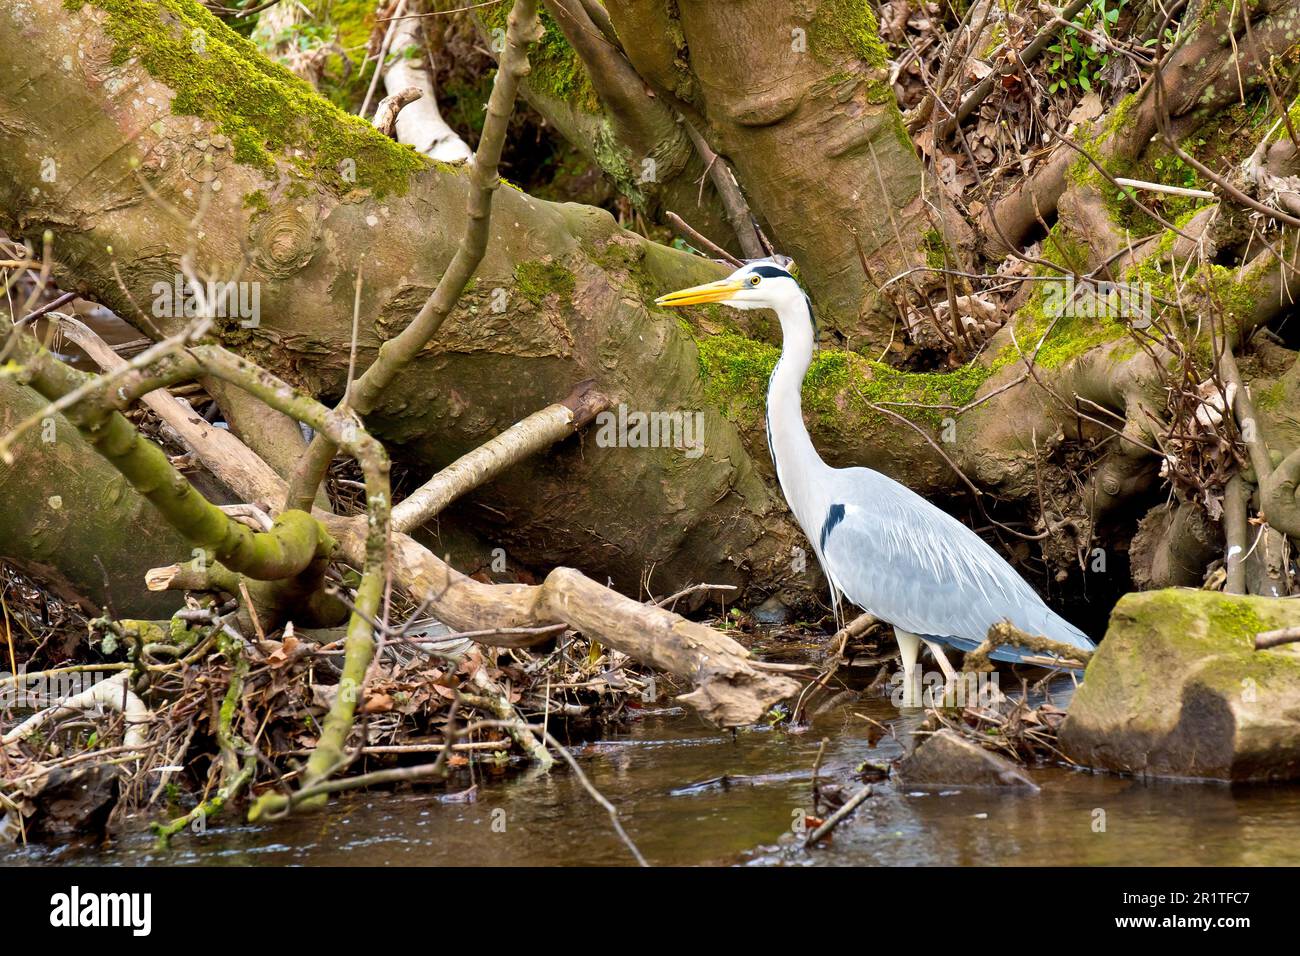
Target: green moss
x,y
1222,144
1229,618
734,369
997,36
846,27
535,280
1212,287
345,26
1270,396
271,116
257,202
354,21
1063,249
612,157
932,242
1068,336
557,70
839,385
1083,173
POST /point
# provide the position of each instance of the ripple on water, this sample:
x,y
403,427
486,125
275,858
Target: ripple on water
x,y
663,773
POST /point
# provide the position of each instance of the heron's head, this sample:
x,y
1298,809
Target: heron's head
x,y
761,284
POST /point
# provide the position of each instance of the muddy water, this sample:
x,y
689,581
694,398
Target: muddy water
x,y
661,773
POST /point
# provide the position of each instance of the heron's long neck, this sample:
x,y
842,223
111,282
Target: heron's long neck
x,y
798,465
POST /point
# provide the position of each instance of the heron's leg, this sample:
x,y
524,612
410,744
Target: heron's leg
x,y
837,606
945,665
909,645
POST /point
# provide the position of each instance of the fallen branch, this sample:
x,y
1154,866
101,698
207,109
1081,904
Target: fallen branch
x,y
699,240
1162,188
494,700
386,113
838,817
422,125
730,689
1285,635
521,440
1006,634
733,200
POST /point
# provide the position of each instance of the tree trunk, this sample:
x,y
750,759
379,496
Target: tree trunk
x,y
296,206
64,512
797,98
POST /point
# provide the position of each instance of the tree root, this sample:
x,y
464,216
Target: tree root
x,y
114,693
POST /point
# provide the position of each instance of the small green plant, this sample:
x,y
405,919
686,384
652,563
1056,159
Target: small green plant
x,y
1077,58
1173,171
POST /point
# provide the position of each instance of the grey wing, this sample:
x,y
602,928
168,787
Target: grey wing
x,y
899,557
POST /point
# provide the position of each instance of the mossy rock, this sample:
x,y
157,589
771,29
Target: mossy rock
x,y
1177,689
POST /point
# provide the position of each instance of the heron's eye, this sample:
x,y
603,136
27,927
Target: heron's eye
x,y
755,280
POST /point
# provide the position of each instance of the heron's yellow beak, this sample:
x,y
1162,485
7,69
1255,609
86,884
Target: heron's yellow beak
x,y
698,294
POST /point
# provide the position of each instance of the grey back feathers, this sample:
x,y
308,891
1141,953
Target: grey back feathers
x,y
894,554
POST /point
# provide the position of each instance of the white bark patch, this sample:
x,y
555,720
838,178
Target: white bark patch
x,y
419,124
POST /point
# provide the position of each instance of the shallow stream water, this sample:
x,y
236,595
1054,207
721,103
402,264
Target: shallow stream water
x,y
661,773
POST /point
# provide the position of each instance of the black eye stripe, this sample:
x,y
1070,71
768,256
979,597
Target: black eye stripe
x,y
771,272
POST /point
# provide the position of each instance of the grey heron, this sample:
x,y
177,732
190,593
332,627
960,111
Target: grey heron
x,y
881,545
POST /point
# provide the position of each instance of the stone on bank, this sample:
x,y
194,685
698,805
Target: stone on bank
x,y
1177,689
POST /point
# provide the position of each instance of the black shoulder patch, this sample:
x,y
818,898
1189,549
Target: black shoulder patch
x,y
833,517
771,272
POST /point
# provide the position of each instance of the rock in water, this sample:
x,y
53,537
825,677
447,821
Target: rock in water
x,y
773,611
949,760
1177,689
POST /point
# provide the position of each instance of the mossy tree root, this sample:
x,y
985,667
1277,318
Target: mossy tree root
x,y
273,601
295,539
